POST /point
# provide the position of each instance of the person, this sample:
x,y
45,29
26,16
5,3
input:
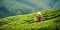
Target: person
x,y
38,17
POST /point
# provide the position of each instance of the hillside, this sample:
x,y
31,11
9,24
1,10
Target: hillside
x,y
16,7
11,7
50,21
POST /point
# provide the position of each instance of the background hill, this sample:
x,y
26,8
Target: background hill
x,y
16,7
11,7
50,21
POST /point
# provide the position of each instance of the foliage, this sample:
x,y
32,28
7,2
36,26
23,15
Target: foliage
x,y
50,21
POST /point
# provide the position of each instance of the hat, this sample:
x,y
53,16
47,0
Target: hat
x,y
38,13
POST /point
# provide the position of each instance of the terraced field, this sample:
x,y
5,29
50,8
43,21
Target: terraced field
x,y
50,21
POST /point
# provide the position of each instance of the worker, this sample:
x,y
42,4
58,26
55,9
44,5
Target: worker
x,y
38,17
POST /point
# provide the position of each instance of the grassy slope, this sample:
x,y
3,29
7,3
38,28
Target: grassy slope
x,y
25,22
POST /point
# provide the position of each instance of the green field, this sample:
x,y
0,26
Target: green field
x,y
50,21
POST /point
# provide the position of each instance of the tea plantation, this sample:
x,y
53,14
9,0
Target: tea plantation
x,y
50,21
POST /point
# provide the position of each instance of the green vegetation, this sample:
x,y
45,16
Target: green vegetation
x,y
12,7
50,21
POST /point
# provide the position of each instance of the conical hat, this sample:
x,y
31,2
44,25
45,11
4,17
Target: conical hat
x,y
38,13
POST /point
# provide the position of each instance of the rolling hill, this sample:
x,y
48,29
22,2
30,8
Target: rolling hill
x,y
50,21
16,7
11,7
